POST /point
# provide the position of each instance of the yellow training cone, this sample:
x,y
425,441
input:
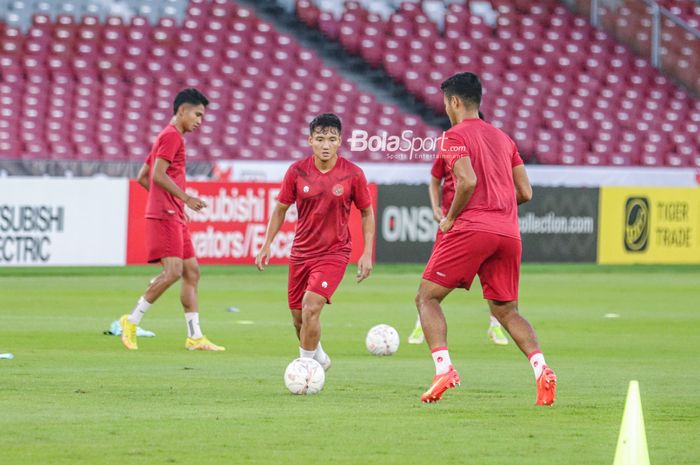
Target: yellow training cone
x,y
632,443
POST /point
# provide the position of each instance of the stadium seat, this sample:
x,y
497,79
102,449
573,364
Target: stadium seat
x,y
112,79
600,104
516,56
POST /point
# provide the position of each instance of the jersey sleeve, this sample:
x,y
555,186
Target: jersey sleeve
x,y
167,146
438,169
452,149
515,159
361,195
288,191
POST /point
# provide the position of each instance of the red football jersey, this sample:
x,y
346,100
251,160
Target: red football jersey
x,y
170,146
439,171
492,207
323,202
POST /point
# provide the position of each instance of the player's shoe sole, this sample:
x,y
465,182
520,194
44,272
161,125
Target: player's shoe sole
x,y
128,336
546,387
202,344
441,383
497,336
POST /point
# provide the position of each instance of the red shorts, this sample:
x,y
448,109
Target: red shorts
x,y
321,275
460,255
438,237
167,238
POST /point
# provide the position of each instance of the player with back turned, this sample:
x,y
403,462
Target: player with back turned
x,y
441,191
323,187
481,236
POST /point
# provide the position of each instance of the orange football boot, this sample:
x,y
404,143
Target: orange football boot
x,y
441,383
546,387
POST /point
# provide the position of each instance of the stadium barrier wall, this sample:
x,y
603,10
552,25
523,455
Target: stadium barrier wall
x,y
59,221
231,230
560,225
649,225
62,221
419,173
405,225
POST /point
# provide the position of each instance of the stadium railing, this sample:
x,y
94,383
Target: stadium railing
x,y
667,32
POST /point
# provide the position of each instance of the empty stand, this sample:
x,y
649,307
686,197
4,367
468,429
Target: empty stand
x,y
90,83
82,88
566,92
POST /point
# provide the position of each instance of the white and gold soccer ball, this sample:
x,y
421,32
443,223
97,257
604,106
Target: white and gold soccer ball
x,y
382,340
304,376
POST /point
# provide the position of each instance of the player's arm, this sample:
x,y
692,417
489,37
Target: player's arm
x,y
434,194
273,227
523,189
364,264
142,177
465,182
161,178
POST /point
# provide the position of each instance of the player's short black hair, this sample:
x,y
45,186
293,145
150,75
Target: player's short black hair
x,y
326,120
191,96
466,86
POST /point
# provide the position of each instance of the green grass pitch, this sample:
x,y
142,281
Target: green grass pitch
x,y
74,396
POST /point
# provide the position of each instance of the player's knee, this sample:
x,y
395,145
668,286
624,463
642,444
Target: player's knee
x,y
418,300
173,273
296,319
422,299
172,277
502,310
311,309
191,275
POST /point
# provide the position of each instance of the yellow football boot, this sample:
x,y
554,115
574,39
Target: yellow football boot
x,y
128,333
202,344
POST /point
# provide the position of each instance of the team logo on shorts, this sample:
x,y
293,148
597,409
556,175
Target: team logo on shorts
x,y
338,190
324,284
306,189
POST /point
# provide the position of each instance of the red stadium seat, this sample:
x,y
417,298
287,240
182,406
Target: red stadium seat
x,y
115,83
600,105
593,71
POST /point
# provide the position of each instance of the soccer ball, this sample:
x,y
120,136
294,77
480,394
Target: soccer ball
x,y
304,376
382,340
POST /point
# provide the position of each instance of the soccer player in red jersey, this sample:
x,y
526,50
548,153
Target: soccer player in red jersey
x,y
441,191
168,239
324,187
481,235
